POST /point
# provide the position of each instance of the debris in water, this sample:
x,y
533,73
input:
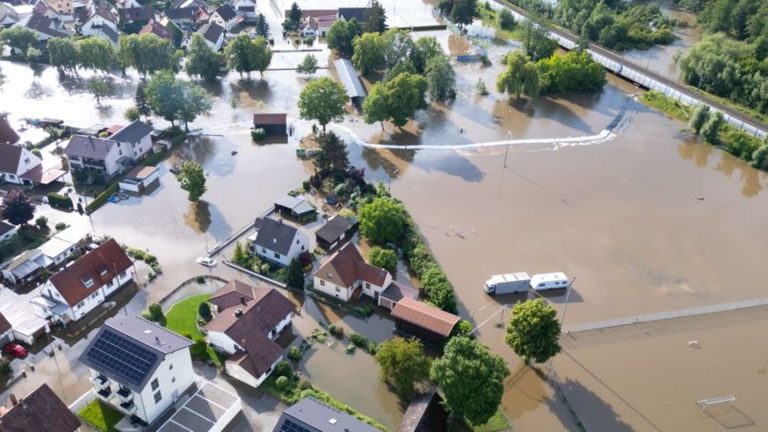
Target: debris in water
x,y
234,152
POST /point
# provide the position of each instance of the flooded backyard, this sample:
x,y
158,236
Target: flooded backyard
x,y
648,221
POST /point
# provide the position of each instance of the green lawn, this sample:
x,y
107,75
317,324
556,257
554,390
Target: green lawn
x,y
100,415
497,423
182,319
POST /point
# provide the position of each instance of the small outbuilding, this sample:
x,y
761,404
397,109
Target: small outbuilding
x,y
395,292
335,232
348,77
139,179
296,208
425,414
428,323
272,123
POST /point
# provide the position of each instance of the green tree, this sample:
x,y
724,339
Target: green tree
x,y
699,117
295,278
293,19
322,100
464,12
333,156
571,72
131,114
194,102
438,289
441,79
99,88
262,55
760,156
383,258
240,256
376,105
405,96
341,34
261,26
96,54
164,96
19,38
375,19
520,76
399,51
403,364
148,53
534,331
62,54
425,49
240,54
471,378
204,311
17,208
202,61
308,65
141,100
506,20
383,221
711,128
369,53
536,42
192,179
156,313
34,55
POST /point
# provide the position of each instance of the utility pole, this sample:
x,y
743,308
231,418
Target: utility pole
x,y
506,153
567,296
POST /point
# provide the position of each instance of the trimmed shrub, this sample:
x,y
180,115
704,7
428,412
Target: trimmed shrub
x,y
295,353
61,226
281,383
59,201
284,369
258,134
359,340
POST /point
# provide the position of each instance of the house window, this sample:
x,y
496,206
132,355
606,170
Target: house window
x,y
124,274
155,384
302,247
264,250
277,255
170,367
158,397
367,285
88,283
322,282
297,241
173,379
337,289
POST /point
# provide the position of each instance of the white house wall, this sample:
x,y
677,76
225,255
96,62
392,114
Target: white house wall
x,y
237,372
221,342
172,383
332,289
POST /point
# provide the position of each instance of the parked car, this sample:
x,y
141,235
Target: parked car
x,y
15,350
208,262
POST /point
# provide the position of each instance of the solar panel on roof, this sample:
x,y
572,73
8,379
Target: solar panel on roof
x,y
289,426
115,354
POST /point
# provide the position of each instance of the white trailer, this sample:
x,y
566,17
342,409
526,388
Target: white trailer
x,y
507,283
548,281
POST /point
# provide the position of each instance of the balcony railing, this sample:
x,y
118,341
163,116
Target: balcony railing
x,y
105,393
128,407
125,395
100,382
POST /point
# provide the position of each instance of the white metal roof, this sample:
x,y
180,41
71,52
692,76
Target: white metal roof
x,y
510,277
548,277
348,77
19,313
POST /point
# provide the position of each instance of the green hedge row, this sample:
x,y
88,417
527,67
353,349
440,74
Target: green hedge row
x,y
59,201
102,198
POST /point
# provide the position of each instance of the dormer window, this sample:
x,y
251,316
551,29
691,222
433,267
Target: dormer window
x,y
103,271
87,282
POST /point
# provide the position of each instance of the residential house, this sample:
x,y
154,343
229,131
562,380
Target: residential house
x,y
158,30
247,321
83,285
358,13
425,414
348,77
430,324
40,410
335,232
24,267
139,367
127,4
8,15
62,7
42,8
272,123
179,36
346,275
184,18
7,134
135,16
29,264
316,26
226,17
100,20
296,208
213,34
87,152
20,313
137,136
190,3
7,231
6,331
277,241
246,9
17,164
395,292
209,409
311,415
44,28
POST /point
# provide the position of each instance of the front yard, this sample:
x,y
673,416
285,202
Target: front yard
x,y
182,318
100,415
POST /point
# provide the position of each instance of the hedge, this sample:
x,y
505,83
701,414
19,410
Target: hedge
x,y
59,201
102,198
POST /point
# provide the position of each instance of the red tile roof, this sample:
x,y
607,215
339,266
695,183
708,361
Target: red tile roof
x,y
7,134
101,265
348,266
425,316
269,119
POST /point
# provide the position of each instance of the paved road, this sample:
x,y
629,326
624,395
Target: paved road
x,y
561,34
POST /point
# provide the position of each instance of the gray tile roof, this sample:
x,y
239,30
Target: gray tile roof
x,y
43,25
5,227
331,231
187,13
212,32
358,13
226,12
132,133
314,416
89,147
274,235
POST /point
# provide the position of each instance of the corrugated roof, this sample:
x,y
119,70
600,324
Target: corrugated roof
x,y
425,316
348,77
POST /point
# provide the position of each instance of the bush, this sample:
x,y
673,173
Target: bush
x,y
156,313
61,226
258,134
506,19
204,310
59,201
359,340
384,258
295,353
284,369
282,383
42,222
306,186
336,331
309,40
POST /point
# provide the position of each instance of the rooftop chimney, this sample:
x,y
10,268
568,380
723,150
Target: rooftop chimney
x,y
14,401
157,339
238,313
242,299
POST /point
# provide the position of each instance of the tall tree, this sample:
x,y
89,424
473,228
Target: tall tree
x,y
293,19
471,378
96,54
99,87
308,65
536,42
464,12
375,19
17,208
384,258
140,99
403,364
376,105
341,34
369,53
164,96
534,331
383,220
192,179
711,129
261,26
333,156
295,277
399,48
202,61
520,76
262,55
405,96
699,117
148,53
19,38
62,54
322,100
441,78
194,102
240,54
424,50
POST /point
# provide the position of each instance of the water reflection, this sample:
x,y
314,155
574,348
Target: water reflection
x,y
198,216
602,415
727,164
